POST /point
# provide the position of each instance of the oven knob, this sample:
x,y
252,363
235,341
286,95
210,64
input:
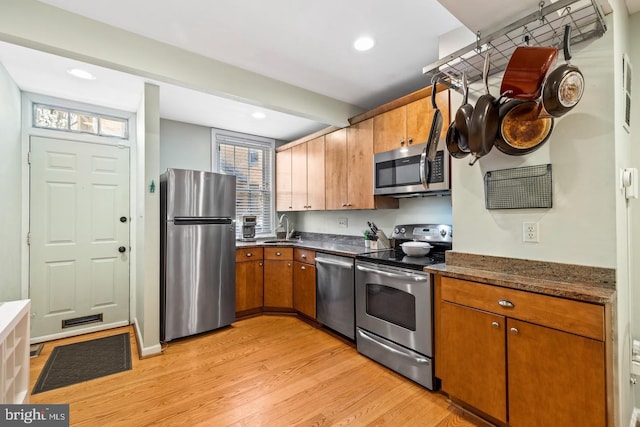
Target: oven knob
x,y
396,230
402,230
443,232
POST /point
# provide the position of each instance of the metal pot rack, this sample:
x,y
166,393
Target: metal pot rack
x,y
544,27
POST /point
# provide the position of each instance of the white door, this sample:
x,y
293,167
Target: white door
x,y
79,237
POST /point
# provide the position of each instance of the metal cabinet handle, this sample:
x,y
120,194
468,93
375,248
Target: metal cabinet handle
x,y
278,253
410,140
249,254
495,325
302,267
506,303
514,331
303,256
288,264
401,142
348,204
344,205
260,264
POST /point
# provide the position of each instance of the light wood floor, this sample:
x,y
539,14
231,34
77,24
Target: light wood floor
x,y
266,370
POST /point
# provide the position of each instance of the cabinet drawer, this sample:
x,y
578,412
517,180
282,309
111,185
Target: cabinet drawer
x,y
304,255
576,317
248,254
278,253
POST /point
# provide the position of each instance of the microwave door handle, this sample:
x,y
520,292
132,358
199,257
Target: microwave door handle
x,y
424,168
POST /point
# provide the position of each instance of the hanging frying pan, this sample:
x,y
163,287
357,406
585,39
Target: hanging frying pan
x,y
564,86
483,126
526,71
521,130
453,142
463,116
430,150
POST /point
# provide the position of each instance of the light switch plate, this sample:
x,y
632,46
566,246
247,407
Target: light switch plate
x,y
343,222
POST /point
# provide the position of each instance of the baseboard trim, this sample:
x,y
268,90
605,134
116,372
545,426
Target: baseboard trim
x,y
635,417
144,352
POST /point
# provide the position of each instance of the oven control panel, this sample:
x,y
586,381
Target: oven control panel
x,y
424,232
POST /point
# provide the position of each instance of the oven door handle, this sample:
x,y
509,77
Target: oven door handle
x,y
416,277
333,262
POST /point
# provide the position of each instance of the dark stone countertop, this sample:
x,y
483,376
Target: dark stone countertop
x,y
576,282
337,245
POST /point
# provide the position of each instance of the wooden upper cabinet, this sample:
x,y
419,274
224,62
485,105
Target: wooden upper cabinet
x,y
390,130
299,177
336,170
409,124
315,174
360,161
284,200
305,177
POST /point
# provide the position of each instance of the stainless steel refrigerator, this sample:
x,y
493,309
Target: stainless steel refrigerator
x,y
198,241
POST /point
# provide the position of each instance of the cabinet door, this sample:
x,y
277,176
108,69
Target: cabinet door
x,y
248,285
336,170
389,130
360,164
555,378
283,181
278,291
304,288
473,358
299,177
419,117
315,174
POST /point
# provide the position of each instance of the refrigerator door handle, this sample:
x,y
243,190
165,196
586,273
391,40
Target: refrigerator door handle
x,y
202,220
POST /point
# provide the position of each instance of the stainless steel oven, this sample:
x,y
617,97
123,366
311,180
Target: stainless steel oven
x,y
394,320
394,303
406,172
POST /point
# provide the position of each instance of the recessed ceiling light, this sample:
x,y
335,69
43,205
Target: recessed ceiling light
x,y
81,74
258,115
363,43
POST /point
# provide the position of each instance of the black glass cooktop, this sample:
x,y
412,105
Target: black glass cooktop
x,y
397,258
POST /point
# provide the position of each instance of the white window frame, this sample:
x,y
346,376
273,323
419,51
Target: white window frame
x,y
270,144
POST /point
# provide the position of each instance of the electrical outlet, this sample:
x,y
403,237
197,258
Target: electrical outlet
x,y
343,222
530,232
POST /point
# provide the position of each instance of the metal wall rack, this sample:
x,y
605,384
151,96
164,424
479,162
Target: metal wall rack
x,y
544,27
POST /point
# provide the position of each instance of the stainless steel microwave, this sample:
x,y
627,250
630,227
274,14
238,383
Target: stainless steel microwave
x,y
401,172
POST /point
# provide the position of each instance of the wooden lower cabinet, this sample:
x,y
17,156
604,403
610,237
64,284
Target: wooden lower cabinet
x,y
512,369
304,282
555,378
249,279
278,277
475,371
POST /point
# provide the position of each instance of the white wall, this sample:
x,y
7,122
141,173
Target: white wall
x,y
634,204
10,189
424,210
580,228
184,146
147,315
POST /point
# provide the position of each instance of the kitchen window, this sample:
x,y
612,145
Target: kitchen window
x,y
250,159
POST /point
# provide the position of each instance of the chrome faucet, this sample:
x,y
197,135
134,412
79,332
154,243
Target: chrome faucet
x,y
287,232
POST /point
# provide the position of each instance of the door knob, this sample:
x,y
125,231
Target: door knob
x,y
122,249
123,219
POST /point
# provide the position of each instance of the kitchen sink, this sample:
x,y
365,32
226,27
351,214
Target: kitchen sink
x,y
276,241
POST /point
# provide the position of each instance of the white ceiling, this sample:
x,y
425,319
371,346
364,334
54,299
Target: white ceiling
x,y
304,43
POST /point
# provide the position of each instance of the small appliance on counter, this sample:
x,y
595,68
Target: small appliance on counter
x,y
249,228
394,302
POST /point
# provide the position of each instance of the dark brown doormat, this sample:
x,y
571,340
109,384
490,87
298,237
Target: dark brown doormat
x,y
84,361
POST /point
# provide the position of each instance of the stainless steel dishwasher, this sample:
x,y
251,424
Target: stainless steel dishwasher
x,y
335,300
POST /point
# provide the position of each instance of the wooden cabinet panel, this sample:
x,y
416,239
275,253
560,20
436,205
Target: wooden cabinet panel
x,y
304,255
360,161
304,288
572,316
249,288
278,284
419,118
336,170
315,174
299,177
473,369
284,200
389,130
248,254
278,253
555,378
